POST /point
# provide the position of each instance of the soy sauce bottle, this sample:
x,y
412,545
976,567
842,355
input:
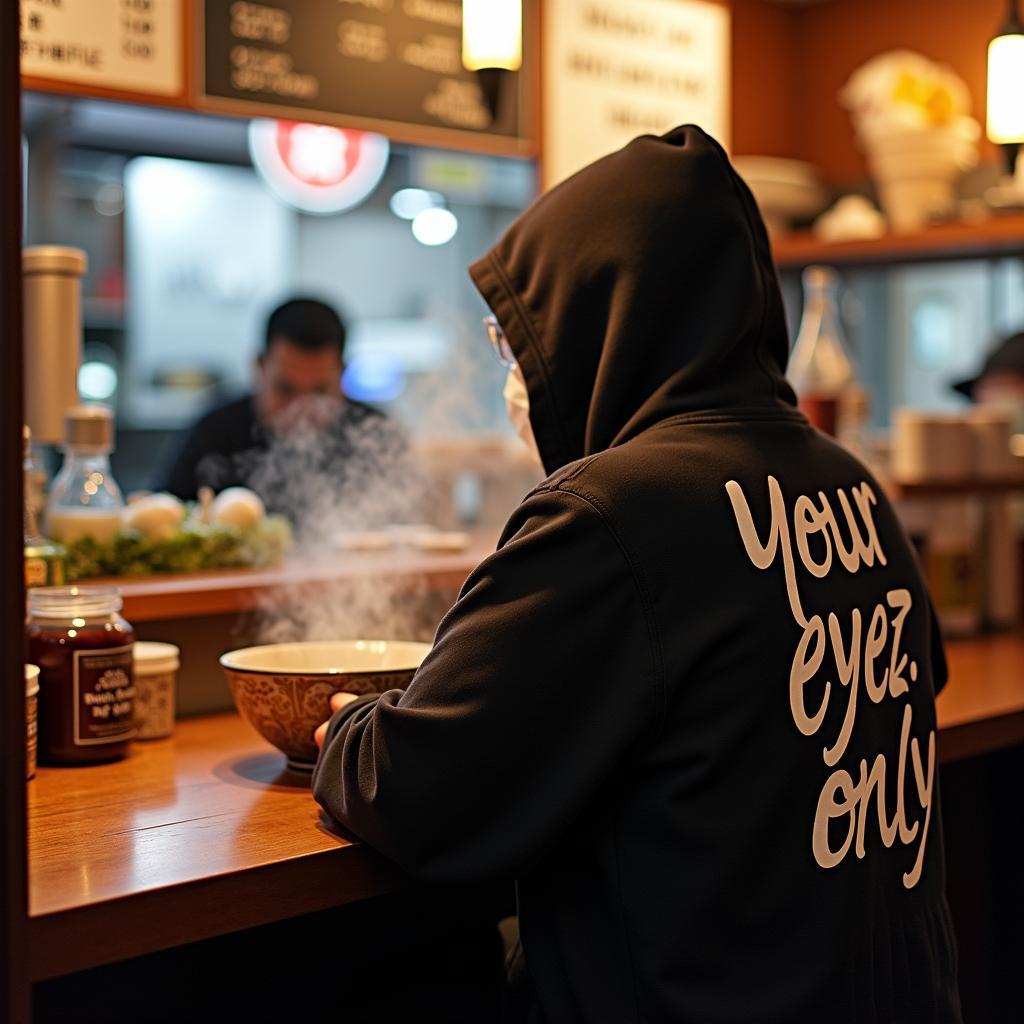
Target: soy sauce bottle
x,y
820,368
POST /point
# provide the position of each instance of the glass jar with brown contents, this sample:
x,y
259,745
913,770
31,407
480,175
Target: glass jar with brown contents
x,y
84,652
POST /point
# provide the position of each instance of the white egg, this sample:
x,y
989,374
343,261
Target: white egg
x,y
157,516
237,506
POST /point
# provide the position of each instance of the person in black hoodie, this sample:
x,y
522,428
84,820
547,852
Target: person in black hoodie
x,y
688,703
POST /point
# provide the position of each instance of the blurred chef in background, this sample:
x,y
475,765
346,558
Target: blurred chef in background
x,y
297,441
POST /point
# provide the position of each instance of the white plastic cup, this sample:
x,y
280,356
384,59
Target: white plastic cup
x,y
910,203
156,672
31,719
931,447
916,170
993,429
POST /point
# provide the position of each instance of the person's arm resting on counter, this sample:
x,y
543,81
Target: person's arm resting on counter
x,y
541,678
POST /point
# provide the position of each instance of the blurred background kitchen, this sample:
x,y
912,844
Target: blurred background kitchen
x,y
190,247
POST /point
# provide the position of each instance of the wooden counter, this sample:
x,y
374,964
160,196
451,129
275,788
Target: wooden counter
x,y
153,598
205,833
190,837
982,707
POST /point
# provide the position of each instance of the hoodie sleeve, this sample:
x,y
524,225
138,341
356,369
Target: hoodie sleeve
x,y
541,678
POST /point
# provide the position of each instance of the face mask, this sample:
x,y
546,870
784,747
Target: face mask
x,y
517,402
305,415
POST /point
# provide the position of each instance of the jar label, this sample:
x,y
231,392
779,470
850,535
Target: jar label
x,y
104,696
35,572
44,572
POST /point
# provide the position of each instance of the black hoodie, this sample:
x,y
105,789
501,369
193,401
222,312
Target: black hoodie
x,y
689,702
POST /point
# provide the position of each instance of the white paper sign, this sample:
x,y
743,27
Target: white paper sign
x,y
615,70
134,45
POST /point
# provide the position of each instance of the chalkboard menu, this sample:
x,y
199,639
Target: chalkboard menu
x,y
393,66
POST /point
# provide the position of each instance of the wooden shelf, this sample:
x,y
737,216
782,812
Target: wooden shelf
x,y
954,488
190,837
155,598
1000,235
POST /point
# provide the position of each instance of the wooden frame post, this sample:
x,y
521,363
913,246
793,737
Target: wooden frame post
x,y
14,984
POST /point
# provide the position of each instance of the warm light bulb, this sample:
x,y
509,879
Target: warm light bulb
x,y
492,34
1006,89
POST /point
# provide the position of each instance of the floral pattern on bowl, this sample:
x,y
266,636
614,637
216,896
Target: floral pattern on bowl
x,y
286,702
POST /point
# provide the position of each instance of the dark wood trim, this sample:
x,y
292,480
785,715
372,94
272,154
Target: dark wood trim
x,y
14,991
459,140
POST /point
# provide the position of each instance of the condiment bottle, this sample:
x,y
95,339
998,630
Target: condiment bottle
x,y
84,652
820,369
85,500
44,560
953,565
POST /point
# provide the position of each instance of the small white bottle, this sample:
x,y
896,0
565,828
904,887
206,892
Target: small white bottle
x,y
85,500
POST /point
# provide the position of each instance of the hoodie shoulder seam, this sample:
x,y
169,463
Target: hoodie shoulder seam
x,y
646,602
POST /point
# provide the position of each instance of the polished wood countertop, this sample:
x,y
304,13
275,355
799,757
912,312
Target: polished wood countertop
x,y
206,833
982,706
218,592
190,837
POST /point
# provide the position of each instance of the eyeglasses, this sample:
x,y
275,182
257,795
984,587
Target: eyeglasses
x,y
502,349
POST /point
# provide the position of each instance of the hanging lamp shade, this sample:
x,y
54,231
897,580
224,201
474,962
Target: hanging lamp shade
x,y
492,34
1005,115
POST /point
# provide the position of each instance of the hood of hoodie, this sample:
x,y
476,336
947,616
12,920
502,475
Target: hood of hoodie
x,y
640,288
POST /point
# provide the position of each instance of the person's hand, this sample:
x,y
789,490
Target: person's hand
x,y
338,701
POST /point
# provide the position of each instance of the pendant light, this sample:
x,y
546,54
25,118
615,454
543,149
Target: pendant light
x,y
492,43
1005,116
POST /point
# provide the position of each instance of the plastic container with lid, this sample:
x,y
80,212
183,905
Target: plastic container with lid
x,y
83,648
931,447
156,669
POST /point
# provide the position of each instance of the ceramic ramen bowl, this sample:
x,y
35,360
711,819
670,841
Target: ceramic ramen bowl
x,y
283,690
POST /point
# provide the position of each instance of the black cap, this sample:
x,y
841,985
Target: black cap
x,y
1007,357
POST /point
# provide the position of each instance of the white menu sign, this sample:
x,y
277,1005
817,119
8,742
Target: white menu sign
x,y
133,45
614,70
